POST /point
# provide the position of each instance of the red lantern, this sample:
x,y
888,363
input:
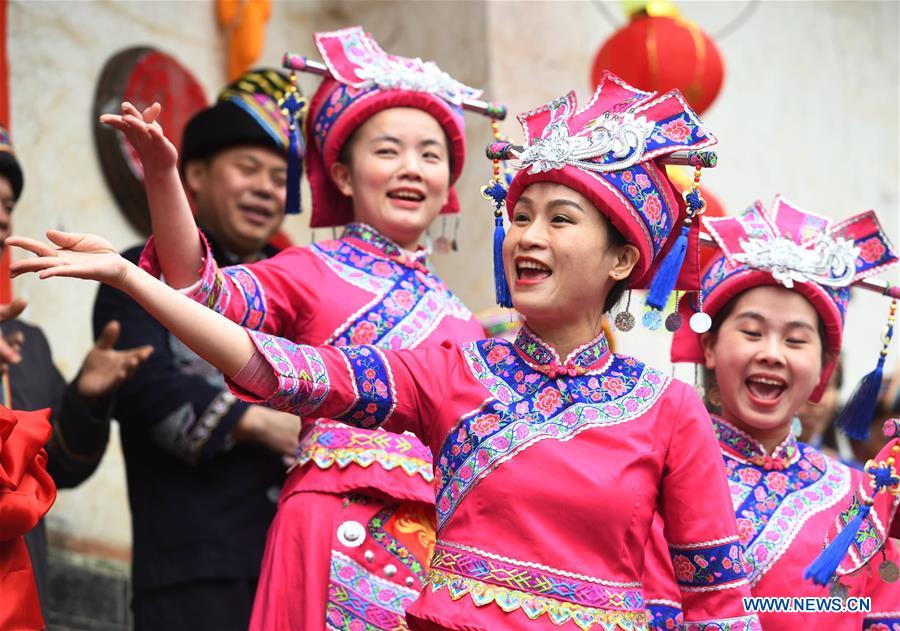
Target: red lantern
x,y
660,53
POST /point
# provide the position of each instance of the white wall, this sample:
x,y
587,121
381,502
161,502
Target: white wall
x,y
809,108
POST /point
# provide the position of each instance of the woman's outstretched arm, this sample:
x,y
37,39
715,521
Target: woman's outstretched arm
x,y
175,233
213,337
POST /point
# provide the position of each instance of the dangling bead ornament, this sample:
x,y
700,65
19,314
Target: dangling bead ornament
x,y
292,105
674,319
666,276
838,590
495,191
796,426
442,244
700,321
454,245
624,320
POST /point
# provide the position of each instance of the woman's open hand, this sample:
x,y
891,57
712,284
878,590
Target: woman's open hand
x,y
76,255
145,134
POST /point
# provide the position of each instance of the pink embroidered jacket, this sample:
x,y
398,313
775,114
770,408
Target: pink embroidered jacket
x,y
785,506
359,289
547,476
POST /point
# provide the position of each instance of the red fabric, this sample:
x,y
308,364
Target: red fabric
x,y
26,494
329,206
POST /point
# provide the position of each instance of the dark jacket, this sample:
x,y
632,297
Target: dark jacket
x,y
200,504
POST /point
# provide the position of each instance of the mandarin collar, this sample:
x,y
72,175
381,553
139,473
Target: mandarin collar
x,y
546,360
370,236
786,453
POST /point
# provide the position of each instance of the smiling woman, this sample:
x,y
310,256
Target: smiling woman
x,y
777,290
552,454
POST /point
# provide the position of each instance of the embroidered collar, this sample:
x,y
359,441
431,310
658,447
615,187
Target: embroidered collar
x,y
545,359
371,237
745,445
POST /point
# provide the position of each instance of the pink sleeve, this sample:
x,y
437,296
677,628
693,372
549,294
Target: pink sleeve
x,y
700,529
661,593
363,386
263,296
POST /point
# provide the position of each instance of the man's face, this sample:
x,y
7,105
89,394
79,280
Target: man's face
x,y
7,202
240,195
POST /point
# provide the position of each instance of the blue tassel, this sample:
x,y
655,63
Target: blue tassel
x,y
292,204
501,286
667,275
856,417
822,569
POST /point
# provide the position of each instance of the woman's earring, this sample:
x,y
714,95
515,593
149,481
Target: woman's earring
x,y
624,320
796,426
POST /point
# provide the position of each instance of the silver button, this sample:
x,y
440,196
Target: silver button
x,y
351,534
390,569
410,581
272,493
369,556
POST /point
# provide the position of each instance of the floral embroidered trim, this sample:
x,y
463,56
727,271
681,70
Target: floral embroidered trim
x,y
392,545
786,453
334,444
409,303
211,291
529,407
376,397
369,235
868,539
533,579
302,377
360,600
254,312
665,615
886,621
542,354
743,623
709,568
534,606
772,506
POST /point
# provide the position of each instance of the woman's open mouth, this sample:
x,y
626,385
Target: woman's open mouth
x,y
408,198
766,390
529,271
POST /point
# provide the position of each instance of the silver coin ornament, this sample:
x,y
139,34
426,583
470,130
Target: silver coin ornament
x,y
673,322
624,321
888,571
351,533
700,322
652,319
839,590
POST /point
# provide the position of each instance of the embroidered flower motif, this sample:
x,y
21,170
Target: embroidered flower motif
x,y
879,626
778,482
364,333
642,180
403,298
548,401
615,385
497,354
627,176
485,424
746,531
652,208
684,569
871,250
676,130
749,476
